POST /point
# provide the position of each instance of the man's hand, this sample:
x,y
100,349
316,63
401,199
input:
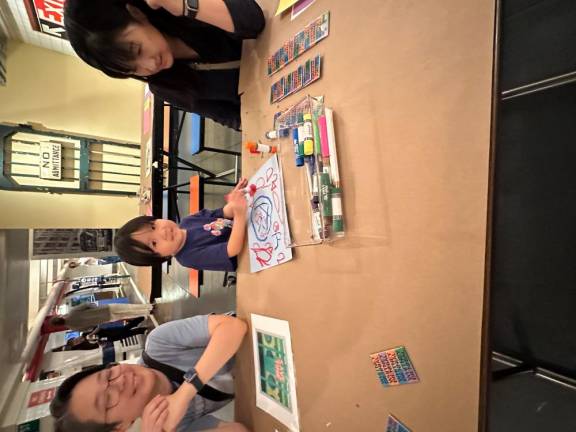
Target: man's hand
x,y
155,415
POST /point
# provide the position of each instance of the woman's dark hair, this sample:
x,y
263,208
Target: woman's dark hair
x,y
64,421
57,320
94,26
133,251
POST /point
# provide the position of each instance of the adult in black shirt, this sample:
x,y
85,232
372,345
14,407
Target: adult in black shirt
x,y
189,59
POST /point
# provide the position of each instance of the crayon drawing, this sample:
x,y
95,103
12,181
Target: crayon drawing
x,y
274,370
268,231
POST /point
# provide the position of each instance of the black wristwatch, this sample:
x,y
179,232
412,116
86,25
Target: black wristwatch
x,y
190,8
191,377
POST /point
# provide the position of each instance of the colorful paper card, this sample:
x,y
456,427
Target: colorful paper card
x,y
303,76
395,425
300,7
394,367
284,5
268,231
274,370
305,39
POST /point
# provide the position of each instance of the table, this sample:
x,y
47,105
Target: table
x,y
411,85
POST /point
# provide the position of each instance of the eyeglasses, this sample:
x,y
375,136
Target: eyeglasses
x,y
111,393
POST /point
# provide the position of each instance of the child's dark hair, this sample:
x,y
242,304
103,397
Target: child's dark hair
x,y
93,28
133,251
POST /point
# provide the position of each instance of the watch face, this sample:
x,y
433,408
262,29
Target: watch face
x,y
192,5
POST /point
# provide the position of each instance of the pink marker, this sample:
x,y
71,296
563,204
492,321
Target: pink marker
x,y
250,190
324,143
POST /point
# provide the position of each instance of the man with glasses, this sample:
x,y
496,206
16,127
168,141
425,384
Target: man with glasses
x,y
110,398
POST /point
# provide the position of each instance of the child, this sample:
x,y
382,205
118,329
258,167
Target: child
x,y
207,240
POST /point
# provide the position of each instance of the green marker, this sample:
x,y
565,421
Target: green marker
x,y
337,218
326,200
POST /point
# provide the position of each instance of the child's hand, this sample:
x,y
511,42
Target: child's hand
x,y
237,201
241,184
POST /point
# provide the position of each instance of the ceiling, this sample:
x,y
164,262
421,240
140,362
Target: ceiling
x,y
15,24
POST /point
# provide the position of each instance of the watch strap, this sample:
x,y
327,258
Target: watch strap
x,y
191,377
190,8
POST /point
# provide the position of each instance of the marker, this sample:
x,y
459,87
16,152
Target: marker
x,y
271,134
260,148
299,158
250,190
317,145
326,203
324,144
337,216
301,140
316,215
312,169
308,135
332,147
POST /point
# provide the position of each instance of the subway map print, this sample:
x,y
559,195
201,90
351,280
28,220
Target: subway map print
x,y
268,231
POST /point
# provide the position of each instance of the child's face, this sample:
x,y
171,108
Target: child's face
x,y
164,237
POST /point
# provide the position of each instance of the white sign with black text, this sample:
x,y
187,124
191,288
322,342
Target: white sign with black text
x,y
50,161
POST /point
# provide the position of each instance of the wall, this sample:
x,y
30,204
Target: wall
x,y
62,93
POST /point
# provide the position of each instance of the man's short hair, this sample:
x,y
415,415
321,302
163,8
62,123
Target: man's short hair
x,y
64,420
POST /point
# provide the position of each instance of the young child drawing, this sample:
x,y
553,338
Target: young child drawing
x,y
207,240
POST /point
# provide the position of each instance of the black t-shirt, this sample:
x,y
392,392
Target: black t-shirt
x,y
210,93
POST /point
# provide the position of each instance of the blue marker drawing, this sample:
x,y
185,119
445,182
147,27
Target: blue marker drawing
x,y
261,217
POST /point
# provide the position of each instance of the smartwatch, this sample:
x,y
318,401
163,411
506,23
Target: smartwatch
x,y
190,8
191,377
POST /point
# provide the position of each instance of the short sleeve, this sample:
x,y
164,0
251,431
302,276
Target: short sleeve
x,y
217,213
180,334
247,17
212,257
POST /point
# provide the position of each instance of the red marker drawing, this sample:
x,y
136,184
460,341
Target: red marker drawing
x,y
250,190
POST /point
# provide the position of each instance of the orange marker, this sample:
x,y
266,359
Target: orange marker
x,y
260,148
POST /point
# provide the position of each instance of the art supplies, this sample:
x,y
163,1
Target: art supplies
x,y
271,135
326,200
258,147
268,231
296,80
300,7
250,190
284,5
394,367
314,143
308,135
395,425
324,146
300,43
296,142
274,370
334,173
337,217
301,139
